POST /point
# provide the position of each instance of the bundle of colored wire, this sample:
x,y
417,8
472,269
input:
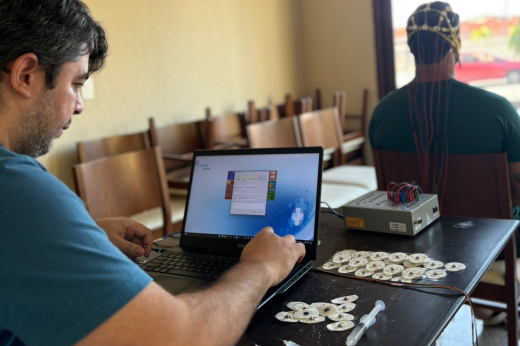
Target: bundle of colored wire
x,y
403,192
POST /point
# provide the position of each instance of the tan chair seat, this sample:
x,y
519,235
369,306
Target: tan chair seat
x,y
337,195
362,176
179,178
497,272
177,192
153,218
352,145
328,153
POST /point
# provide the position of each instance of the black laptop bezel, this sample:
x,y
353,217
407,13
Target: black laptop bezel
x,y
235,246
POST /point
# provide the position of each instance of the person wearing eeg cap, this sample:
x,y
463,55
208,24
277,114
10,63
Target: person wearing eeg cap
x,y
435,115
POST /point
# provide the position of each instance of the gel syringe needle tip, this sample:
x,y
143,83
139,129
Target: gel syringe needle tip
x,y
364,323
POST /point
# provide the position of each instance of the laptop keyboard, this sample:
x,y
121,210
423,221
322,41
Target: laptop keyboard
x,y
199,266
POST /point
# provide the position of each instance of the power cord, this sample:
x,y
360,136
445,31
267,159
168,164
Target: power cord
x,y
332,210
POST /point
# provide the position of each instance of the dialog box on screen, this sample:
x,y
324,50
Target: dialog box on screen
x,y
248,192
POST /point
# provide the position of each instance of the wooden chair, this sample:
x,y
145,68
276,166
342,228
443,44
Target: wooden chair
x,y
318,99
178,142
286,109
132,185
271,113
283,133
303,105
322,128
478,186
252,115
255,114
226,132
340,101
355,136
291,108
286,133
99,148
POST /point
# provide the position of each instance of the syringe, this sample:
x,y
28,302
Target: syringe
x,y
364,323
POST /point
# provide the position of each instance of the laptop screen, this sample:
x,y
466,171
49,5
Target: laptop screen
x,y
234,196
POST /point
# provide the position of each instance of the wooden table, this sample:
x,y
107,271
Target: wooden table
x,y
414,316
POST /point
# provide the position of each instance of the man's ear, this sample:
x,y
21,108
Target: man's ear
x,y
23,73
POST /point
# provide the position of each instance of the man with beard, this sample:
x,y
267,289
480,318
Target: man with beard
x,y
62,281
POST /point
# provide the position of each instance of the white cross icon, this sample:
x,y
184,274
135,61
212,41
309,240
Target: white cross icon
x,y
297,216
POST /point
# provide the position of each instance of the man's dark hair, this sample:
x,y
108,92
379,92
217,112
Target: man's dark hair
x,y
427,45
56,31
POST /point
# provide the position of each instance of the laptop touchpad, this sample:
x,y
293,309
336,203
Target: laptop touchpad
x,y
176,285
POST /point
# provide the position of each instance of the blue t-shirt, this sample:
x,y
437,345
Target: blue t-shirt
x,y
60,277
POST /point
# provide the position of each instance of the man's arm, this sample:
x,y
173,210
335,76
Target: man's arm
x,y
217,315
514,173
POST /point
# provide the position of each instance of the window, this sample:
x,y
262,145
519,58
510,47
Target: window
x,y
490,55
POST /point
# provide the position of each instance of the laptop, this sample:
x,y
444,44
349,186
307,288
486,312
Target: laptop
x,y
232,195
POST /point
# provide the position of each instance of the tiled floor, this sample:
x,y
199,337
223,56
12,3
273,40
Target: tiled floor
x,y
458,332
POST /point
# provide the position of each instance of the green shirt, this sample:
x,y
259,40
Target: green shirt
x,y
477,121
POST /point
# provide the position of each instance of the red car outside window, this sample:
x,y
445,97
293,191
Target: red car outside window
x,y
481,66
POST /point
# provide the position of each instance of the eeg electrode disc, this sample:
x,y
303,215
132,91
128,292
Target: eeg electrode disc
x,y
286,316
346,307
330,265
364,272
378,256
433,264
340,326
398,257
418,258
306,314
361,254
345,299
412,273
358,262
435,274
393,269
347,269
327,310
341,258
381,276
297,306
341,316
375,265
312,320
454,266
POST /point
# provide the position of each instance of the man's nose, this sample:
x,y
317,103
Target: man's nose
x,y
78,109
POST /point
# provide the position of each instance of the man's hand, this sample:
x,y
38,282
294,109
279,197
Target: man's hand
x,y
132,238
277,254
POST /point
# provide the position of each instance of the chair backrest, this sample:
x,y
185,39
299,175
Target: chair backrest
x,y
303,105
340,101
225,129
318,99
105,147
476,185
272,112
178,139
321,128
287,108
282,133
291,108
124,185
252,115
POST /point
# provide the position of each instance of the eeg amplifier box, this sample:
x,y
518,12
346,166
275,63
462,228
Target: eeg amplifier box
x,y
374,212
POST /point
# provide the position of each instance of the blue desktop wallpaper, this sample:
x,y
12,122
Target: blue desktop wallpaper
x,y
292,212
